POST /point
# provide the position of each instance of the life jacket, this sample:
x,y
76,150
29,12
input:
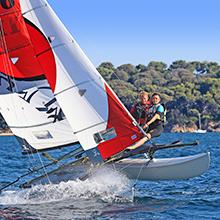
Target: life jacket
x,y
152,111
140,112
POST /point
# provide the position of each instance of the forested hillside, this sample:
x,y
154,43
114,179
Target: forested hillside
x,y
187,88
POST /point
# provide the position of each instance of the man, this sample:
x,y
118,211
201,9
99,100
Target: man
x,y
139,110
154,124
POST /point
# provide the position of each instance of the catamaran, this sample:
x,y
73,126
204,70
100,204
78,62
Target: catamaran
x,y
51,96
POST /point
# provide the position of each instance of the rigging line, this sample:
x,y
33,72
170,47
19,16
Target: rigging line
x,y
44,168
140,170
139,173
65,156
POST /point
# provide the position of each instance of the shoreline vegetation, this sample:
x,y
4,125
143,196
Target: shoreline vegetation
x,y
189,90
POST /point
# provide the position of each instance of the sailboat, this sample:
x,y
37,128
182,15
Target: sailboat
x,y
200,130
52,96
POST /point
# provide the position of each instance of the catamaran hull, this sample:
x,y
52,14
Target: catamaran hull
x,y
165,168
134,168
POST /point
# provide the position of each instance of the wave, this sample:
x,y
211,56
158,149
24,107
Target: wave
x,y
105,184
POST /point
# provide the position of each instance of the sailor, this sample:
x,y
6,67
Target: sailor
x,y
155,121
140,109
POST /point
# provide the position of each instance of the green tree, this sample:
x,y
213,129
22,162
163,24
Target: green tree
x,y
128,68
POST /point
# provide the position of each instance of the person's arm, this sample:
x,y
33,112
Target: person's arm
x,y
156,116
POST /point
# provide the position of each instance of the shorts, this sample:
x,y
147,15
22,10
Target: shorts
x,y
155,131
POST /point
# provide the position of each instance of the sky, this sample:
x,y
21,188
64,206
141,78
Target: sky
x,y
140,31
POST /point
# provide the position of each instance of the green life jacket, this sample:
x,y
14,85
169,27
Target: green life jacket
x,y
152,111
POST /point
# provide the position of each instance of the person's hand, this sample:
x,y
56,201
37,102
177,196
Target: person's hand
x,y
145,126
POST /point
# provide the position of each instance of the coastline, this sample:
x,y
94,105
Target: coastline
x,y
176,130
6,134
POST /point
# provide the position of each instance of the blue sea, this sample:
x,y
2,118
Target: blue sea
x,y
110,194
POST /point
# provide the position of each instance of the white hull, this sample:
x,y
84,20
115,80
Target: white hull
x,y
141,169
200,131
165,168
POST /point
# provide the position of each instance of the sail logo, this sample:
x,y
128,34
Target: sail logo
x,y
48,105
7,4
133,137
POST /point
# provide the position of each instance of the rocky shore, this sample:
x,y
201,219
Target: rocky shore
x,y
211,127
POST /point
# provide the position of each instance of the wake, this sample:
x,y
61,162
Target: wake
x,y
105,184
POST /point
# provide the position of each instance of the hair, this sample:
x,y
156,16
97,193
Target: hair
x,y
154,94
142,94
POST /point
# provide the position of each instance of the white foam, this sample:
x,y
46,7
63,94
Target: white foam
x,y
106,184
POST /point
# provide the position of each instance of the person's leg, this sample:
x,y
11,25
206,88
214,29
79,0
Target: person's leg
x,y
156,132
140,142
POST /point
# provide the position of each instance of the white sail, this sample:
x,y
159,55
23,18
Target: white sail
x,y
90,106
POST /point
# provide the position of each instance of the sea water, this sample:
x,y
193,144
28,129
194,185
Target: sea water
x,y
109,194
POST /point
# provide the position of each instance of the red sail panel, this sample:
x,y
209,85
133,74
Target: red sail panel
x,y
43,53
120,120
21,40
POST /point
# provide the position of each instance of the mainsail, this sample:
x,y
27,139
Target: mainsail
x,y
97,117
